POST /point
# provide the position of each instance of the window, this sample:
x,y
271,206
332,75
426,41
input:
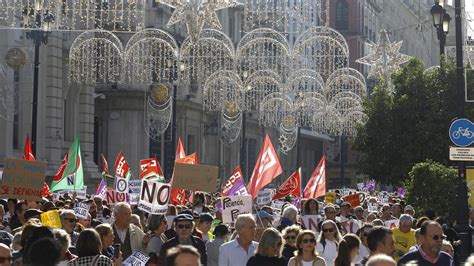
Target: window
x,y
342,15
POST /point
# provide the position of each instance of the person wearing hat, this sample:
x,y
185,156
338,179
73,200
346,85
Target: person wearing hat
x,y
32,213
184,225
221,236
203,227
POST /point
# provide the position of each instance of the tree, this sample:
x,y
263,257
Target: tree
x,y
431,185
409,126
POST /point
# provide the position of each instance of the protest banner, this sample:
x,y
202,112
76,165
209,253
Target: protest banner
x,y
51,219
81,210
372,207
80,194
154,197
310,222
136,259
264,197
113,197
23,179
360,186
330,197
134,187
276,206
121,184
353,199
235,205
195,177
391,223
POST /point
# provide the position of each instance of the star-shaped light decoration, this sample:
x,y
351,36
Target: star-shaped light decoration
x,y
197,13
384,57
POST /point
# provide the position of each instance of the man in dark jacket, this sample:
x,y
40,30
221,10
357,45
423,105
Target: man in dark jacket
x,y
429,252
184,226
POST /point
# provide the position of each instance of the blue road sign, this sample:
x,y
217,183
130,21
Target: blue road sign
x,y
461,132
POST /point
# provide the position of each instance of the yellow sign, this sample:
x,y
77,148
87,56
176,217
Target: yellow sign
x,y
470,185
330,197
51,218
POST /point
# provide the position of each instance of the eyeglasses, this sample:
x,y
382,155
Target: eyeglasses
x,y
309,240
71,220
290,237
438,237
3,259
184,226
328,230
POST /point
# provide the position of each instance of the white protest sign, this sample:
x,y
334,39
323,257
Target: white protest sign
x,y
264,197
121,184
360,186
80,194
154,197
136,259
134,187
391,223
310,222
276,206
372,207
112,197
81,210
235,205
350,226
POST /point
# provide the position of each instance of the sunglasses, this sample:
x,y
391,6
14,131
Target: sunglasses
x,y
3,259
308,240
328,230
184,226
290,237
71,220
438,237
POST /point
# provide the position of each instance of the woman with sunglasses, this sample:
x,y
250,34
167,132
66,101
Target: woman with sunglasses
x,y
269,250
348,250
364,251
289,234
306,254
329,238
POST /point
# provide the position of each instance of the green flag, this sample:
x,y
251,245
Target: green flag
x,y
73,177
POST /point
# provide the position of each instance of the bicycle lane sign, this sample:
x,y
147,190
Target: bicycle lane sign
x,y
461,132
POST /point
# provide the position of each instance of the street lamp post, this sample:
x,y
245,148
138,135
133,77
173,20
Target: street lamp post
x,y
39,20
441,20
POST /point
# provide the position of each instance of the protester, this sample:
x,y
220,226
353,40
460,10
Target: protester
x,y
328,241
18,219
68,222
404,236
380,260
183,255
5,255
448,248
380,241
268,250
157,225
89,250
36,234
348,250
238,251
64,242
129,236
106,234
289,235
288,217
220,237
386,214
359,213
135,220
397,210
306,254
184,226
199,203
44,251
264,219
310,207
204,225
85,223
364,251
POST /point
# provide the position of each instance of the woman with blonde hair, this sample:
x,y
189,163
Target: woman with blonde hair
x,y
306,254
329,238
269,250
290,234
348,250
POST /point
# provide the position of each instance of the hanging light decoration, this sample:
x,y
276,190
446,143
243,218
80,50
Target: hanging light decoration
x,y
116,15
213,51
345,80
95,57
258,86
158,110
197,13
288,134
151,57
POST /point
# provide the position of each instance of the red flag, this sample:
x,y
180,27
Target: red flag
x,y
266,169
178,195
150,168
59,173
292,186
46,191
28,152
316,186
105,165
180,152
121,166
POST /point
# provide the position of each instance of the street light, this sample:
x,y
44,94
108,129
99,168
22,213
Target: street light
x,y
441,20
39,22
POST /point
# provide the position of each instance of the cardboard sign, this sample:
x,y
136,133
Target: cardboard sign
x,y
310,222
391,223
113,197
51,219
195,177
81,210
136,259
121,184
154,197
232,206
372,207
23,179
330,197
353,199
264,197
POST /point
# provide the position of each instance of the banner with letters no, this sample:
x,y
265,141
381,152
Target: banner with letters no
x,y
154,197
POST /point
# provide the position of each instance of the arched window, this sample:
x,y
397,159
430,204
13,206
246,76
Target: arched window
x,y
342,15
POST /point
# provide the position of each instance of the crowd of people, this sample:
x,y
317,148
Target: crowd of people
x,y
195,235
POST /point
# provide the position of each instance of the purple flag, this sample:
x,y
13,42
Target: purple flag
x,y
101,189
237,188
401,192
370,186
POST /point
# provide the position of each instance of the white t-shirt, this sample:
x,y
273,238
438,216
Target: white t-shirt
x,y
329,253
307,263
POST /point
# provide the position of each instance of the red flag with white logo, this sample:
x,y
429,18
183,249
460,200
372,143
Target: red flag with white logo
x,y
291,186
59,173
316,186
150,168
105,165
266,169
180,152
121,166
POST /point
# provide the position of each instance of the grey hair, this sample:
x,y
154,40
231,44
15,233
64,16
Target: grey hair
x,y
120,206
470,261
241,218
406,218
380,258
62,237
290,212
66,211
